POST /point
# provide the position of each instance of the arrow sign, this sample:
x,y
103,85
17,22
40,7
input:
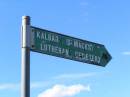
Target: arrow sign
x,y
59,45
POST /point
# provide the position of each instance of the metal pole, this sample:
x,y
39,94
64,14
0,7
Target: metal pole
x,y
25,61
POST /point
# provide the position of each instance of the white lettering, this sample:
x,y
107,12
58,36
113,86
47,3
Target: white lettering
x,y
87,57
69,42
47,36
79,44
54,49
88,47
38,34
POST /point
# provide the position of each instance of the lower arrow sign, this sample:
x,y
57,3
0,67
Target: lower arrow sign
x,y
59,45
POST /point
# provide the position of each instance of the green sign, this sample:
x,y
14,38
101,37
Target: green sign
x,y
55,44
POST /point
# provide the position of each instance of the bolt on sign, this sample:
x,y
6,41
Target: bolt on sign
x,y
59,45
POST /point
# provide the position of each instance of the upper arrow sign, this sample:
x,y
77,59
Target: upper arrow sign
x,y
55,44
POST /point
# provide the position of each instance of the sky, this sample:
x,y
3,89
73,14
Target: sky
x,y
102,21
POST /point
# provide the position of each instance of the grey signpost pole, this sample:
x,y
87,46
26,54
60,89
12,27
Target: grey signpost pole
x,y
25,64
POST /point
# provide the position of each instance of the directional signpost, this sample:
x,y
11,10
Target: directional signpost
x,y
55,44
59,45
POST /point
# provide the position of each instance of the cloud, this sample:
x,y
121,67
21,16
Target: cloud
x,y
75,76
9,86
16,86
38,84
64,91
126,53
